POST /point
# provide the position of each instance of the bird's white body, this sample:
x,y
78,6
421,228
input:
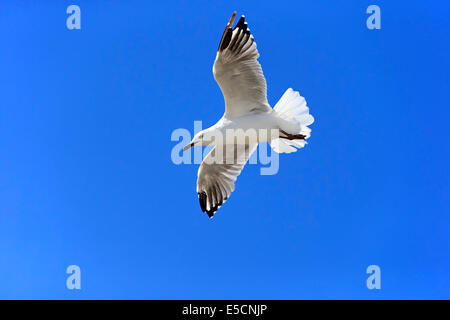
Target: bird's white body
x,y
248,118
261,123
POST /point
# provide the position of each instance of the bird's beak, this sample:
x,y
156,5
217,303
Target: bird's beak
x,y
188,146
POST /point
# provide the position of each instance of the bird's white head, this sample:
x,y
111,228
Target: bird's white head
x,y
203,138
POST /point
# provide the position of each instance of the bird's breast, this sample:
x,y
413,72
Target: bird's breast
x,y
255,126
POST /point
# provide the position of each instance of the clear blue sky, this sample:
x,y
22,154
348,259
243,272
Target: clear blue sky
x,y
86,176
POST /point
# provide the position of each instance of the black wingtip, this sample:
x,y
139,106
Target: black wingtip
x,y
226,36
240,23
226,39
212,212
202,199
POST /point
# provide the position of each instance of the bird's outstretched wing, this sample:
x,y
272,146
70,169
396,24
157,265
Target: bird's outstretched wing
x,y
218,172
238,72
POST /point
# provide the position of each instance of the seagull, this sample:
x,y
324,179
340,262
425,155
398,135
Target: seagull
x,y
241,80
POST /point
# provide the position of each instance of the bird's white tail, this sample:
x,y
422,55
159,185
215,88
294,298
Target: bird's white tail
x,y
293,109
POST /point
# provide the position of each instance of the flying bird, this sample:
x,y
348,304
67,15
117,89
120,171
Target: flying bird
x,y
241,80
